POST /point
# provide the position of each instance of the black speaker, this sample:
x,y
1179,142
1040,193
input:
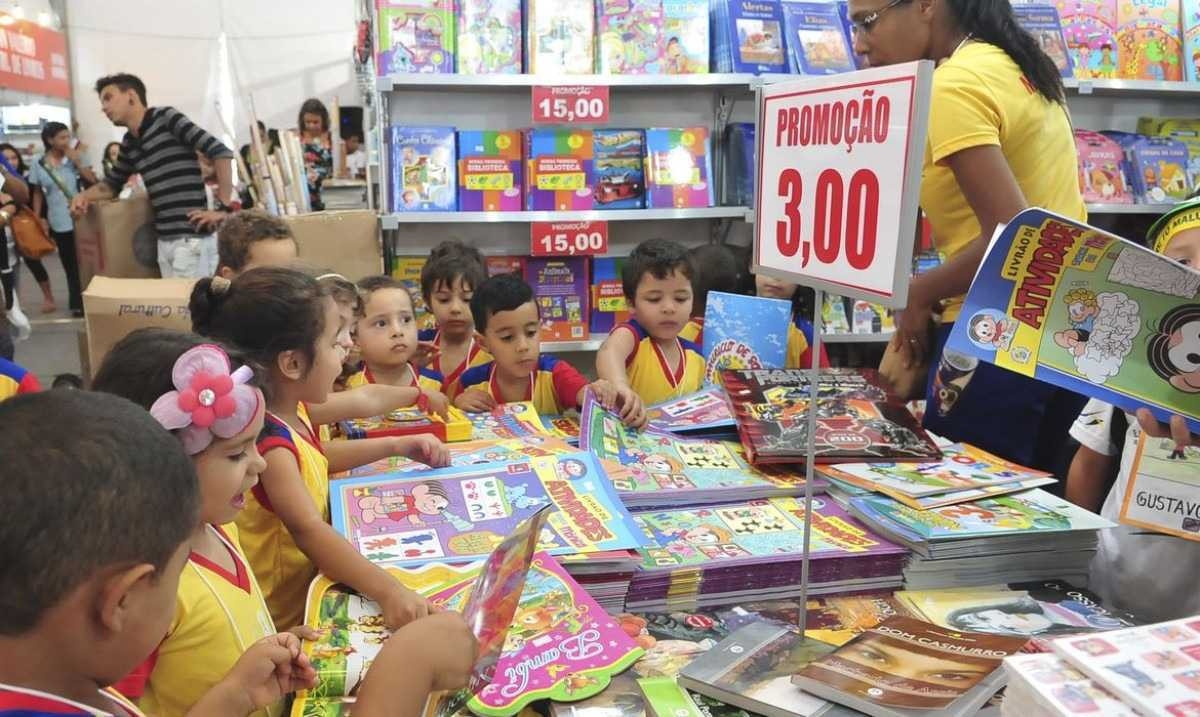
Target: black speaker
x,y
351,121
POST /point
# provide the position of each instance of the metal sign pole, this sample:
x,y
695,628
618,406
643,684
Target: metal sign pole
x,y
810,450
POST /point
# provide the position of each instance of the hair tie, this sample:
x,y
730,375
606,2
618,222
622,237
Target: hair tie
x,y
220,285
208,401
323,277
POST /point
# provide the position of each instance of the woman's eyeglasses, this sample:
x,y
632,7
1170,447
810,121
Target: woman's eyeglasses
x,y
865,25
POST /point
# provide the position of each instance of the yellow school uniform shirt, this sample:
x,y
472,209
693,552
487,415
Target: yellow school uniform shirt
x,y
284,572
980,98
452,375
694,331
217,616
426,378
651,377
554,385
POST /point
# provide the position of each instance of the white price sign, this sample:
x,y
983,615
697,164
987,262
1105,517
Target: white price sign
x,y
839,180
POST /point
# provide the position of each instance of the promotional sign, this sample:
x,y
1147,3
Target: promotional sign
x,y
570,104
839,180
33,58
568,238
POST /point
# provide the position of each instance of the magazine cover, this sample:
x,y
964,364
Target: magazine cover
x,y
757,40
408,422
560,36
561,172
461,513
1152,669
679,171
1043,22
1163,489
560,288
416,37
703,411
1082,309
1148,34
518,419
1051,681
1191,40
815,40
470,453
489,37
629,37
1090,27
909,664
685,37
491,172
561,645
620,170
407,270
744,332
838,620
423,169
771,408
609,308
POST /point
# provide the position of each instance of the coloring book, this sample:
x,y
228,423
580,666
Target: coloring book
x,y
701,412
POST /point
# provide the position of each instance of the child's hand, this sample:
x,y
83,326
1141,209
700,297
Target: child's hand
x,y
475,401
271,668
1176,430
629,407
606,393
402,606
446,646
426,353
424,448
437,403
306,633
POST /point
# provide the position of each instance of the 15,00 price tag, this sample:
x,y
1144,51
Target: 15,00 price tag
x,y
570,104
568,238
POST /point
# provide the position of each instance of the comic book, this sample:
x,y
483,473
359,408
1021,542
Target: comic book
x,y
424,167
1036,682
1148,33
1162,493
1191,40
415,36
705,411
518,419
816,43
1090,27
1044,24
410,421
460,513
489,37
665,469
560,36
628,37
744,332
471,453
1073,306
855,421
491,171
560,288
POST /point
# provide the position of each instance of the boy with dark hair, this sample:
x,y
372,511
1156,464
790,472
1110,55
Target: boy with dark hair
x,y
161,145
510,329
646,353
78,614
448,280
251,239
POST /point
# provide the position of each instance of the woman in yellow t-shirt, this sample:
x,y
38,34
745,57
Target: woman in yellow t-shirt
x,y
1000,141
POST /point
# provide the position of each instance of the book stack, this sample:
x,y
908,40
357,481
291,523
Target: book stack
x,y
1047,686
604,576
704,413
1017,538
751,550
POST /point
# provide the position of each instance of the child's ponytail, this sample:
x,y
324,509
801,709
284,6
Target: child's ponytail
x,y
207,296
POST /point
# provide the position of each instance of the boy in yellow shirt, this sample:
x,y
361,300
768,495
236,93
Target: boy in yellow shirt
x,y
451,276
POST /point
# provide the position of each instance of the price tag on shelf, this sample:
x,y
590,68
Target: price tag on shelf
x,y
568,238
570,104
839,180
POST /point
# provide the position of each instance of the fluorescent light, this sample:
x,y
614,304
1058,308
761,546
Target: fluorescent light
x,y
45,19
18,11
6,19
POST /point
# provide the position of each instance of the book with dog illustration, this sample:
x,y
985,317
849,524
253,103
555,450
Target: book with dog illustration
x,y
1071,305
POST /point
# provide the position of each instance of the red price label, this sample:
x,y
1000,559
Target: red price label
x,y
570,104
568,238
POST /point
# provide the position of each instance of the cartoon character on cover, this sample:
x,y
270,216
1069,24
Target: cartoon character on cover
x,y
702,535
677,59
1142,682
544,610
1082,310
988,329
396,505
1104,182
1107,67
571,469
1173,351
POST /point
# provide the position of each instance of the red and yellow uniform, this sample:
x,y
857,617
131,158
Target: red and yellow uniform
x,y
425,379
799,342
476,356
23,702
651,377
694,331
15,380
554,385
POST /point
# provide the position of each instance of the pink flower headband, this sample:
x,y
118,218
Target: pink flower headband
x,y
209,400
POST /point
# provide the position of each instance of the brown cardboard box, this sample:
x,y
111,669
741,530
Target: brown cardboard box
x,y
115,307
104,239
346,242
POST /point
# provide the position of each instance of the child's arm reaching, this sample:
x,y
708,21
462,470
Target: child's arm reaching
x,y
474,400
430,655
374,399
330,552
610,366
345,455
616,398
270,669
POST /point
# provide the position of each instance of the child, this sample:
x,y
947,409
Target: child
x,y
113,502
646,353
1149,574
448,280
251,239
510,329
284,321
387,338
800,333
15,380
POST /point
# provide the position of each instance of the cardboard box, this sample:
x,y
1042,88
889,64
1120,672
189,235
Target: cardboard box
x,y
345,242
116,307
105,238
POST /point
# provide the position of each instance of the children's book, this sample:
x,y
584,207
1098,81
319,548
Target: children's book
x,y
461,513
620,169
753,668
771,408
839,487
665,698
560,288
1150,40
423,169
753,35
838,620
907,666
561,172
489,37
744,332
685,37
1162,493
410,421
1102,169
1037,682
491,171
816,42
679,168
415,37
1043,22
1159,167
629,37
1152,669
1073,306
1191,40
407,270
560,36
1180,129
739,175
471,453
1090,27
701,412
518,419
665,469
497,265
609,308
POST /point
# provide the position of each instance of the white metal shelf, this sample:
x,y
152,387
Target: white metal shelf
x,y
393,221
592,343
1149,209
1133,88
493,82
882,338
